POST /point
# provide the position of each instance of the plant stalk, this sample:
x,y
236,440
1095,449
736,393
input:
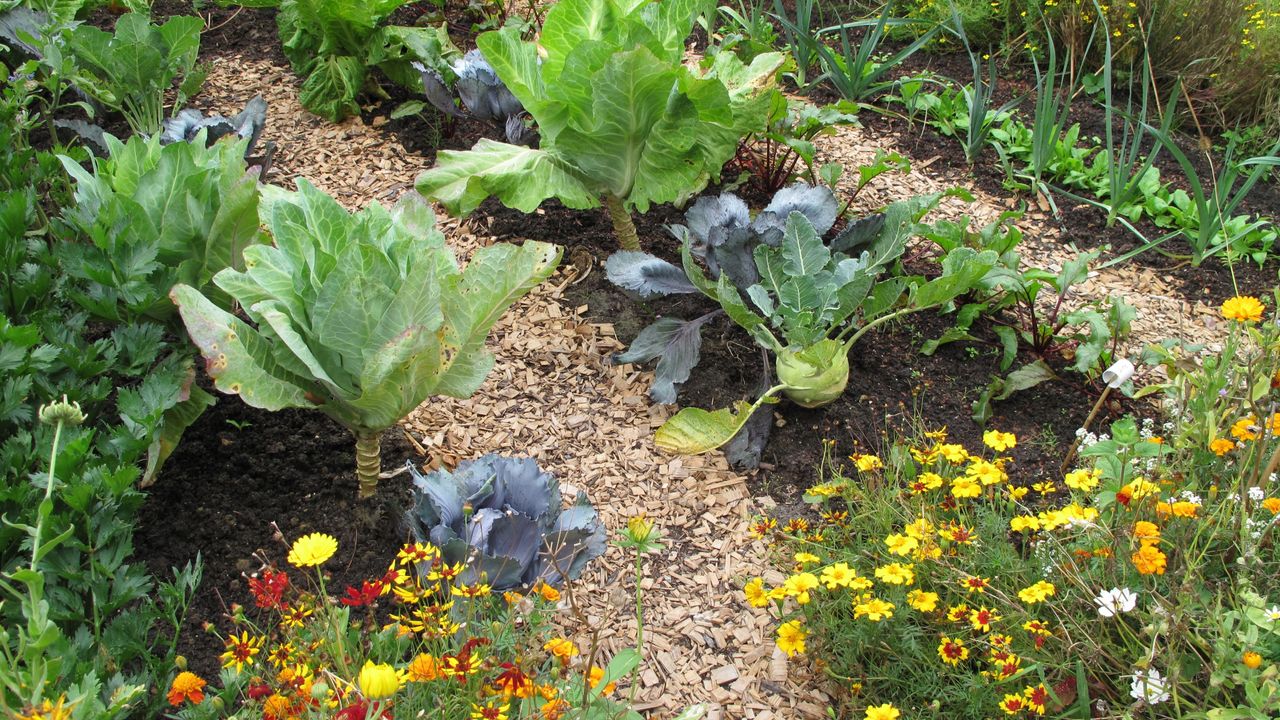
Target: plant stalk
x,y
368,461
623,226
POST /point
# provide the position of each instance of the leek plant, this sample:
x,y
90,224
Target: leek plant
x,y
978,97
1053,105
799,31
854,72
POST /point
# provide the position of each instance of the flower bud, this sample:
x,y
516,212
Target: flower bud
x,y
639,529
180,662
378,680
61,412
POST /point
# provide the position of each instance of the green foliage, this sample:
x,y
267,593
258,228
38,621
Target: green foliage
x,y
333,44
154,216
130,71
619,114
855,72
784,151
820,301
314,344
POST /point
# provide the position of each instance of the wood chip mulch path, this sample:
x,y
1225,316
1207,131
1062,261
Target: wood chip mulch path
x,y
555,396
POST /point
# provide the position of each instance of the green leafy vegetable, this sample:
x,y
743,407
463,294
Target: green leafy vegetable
x,y
156,215
131,70
359,316
621,117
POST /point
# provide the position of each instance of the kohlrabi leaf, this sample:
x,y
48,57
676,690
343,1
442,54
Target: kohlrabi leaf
x,y
803,253
676,344
694,430
646,276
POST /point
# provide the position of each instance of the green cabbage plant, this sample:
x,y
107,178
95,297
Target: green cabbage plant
x,y
620,115
809,303
361,316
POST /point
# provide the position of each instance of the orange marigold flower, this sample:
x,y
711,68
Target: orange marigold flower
x,y
423,668
1221,446
1251,660
1272,504
597,674
1242,308
554,709
1146,533
1149,560
548,593
562,649
187,686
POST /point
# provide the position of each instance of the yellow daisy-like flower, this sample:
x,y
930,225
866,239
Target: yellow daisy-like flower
x,y
952,452
1083,480
922,600
952,652
999,441
881,712
873,609
791,637
312,550
896,573
805,558
757,596
867,463
1024,523
965,487
901,544
1038,592
988,473
838,575
799,585
1242,308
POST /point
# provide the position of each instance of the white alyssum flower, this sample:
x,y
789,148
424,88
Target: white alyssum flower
x,y
1256,494
1149,687
1191,497
1115,601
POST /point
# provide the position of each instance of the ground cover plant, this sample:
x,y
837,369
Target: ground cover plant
x,y
1063,597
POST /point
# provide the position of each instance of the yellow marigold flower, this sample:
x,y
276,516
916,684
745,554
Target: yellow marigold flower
x,y
187,686
952,452
896,573
838,575
1242,308
881,712
277,706
1149,560
805,558
924,457
547,592
922,600
988,473
1221,446
596,676
859,583
423,668
1023,523
901,544
823,490
919,529
1017,493
952,652
1083,480
981,618
999,441
1251,660
873,609
1178,509
755,592
1038,592
791,637
867,463
311,550
1045,487
1272,504
925,482
562,649
1245,429
938,435
965,487
799,585
378,680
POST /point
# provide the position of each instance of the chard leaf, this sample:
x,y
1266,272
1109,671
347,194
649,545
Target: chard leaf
x,y
962,268
646,276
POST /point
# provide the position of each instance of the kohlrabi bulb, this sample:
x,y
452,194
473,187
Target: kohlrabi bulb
x,y
816,375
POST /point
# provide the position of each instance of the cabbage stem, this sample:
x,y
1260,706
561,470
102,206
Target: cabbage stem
x,y
368,461
623,226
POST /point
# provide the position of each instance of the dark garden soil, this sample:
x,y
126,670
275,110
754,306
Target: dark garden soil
x,y
238,471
